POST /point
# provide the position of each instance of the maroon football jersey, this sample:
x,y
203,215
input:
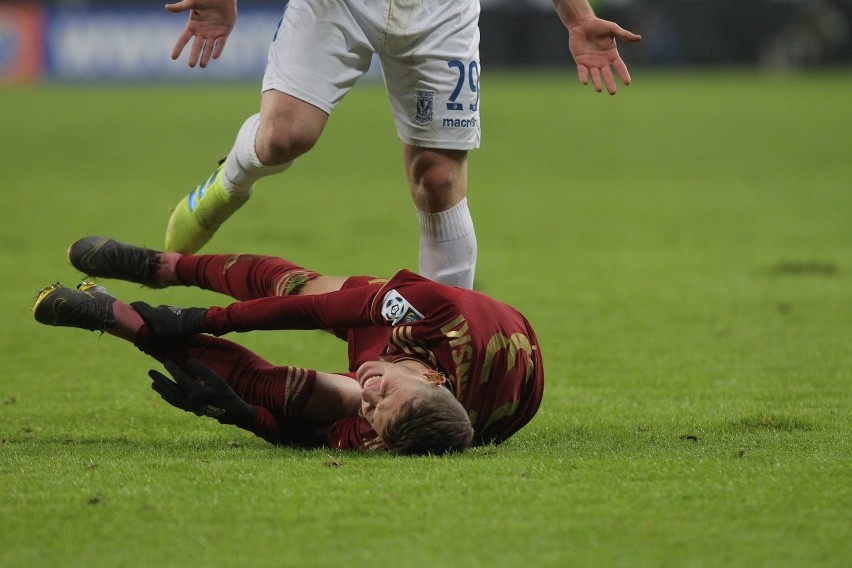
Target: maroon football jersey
x,y
486,348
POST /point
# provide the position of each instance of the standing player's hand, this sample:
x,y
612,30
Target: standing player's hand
x,y
592,44
209,25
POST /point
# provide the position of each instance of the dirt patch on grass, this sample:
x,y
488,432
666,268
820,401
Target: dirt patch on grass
x,y
771,422
804,268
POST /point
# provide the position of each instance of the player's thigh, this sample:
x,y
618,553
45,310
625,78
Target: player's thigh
x,y
318,53
322,285
433,84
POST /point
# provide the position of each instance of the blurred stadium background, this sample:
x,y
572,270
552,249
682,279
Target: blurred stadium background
x,y
89,41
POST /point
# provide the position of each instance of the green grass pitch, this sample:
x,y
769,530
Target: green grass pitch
x,y
684,250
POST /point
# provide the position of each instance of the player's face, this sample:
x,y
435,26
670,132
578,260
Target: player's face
x,y
385,387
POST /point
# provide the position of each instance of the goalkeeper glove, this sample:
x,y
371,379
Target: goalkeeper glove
x,y
171,321
203,392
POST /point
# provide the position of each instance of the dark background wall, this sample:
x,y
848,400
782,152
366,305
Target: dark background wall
x,y
130,40
777,33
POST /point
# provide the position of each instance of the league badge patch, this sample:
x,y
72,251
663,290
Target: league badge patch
x,y
425,102
397,310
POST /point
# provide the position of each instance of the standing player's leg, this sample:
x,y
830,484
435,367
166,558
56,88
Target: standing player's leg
x,y
434,92
303,81
437,180
266,144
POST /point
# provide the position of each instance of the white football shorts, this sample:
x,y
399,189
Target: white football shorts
x,y
429,51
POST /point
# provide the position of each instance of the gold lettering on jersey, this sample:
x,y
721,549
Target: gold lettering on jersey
x,y
403,337
513,345
462,351
450,330
507,409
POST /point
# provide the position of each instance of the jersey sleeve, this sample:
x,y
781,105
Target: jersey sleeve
x,y
352,433
341,309
409,297
283,431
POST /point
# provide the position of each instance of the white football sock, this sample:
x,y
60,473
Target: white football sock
x,y
448,246
242,166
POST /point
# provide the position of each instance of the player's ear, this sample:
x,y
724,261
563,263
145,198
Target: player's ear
x,y
434,377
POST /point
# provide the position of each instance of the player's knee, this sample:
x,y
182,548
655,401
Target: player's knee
x,y
278,144
439,186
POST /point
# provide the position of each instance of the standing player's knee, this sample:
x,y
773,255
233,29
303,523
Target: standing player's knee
x,y
279,143
438,180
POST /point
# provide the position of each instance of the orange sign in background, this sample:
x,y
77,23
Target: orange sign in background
x,y
21,45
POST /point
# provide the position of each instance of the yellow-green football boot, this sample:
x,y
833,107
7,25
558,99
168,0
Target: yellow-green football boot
x,y
198,215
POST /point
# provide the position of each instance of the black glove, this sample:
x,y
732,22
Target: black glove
x,y
202,392
171,321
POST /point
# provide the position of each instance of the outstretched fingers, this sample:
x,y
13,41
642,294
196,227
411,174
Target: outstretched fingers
x,y
621,68
596,79
181,42
208,26
626,35
583,74
178,7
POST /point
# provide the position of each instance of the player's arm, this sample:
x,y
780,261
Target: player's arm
x,y
209,25
352,433
341,309
198,389
344,308
591,41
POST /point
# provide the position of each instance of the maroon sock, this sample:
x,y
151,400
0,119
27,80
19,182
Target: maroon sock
x,y
242,276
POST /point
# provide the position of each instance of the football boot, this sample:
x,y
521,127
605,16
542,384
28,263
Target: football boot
x,y
107,258
88,307
200,214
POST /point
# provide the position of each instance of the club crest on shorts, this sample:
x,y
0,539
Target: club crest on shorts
x,y
397,310
425,103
